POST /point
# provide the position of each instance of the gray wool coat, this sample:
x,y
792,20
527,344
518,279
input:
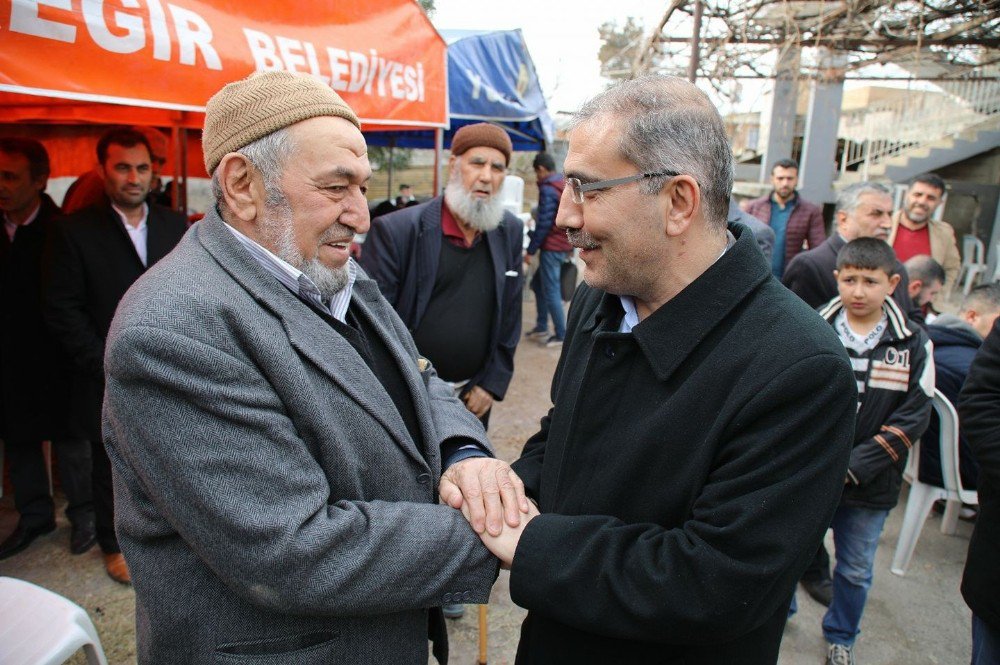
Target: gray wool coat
x,y
269,501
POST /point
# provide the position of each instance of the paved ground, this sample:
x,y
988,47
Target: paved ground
x,y
916,619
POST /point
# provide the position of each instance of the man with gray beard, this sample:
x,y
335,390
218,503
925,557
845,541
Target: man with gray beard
x,y
277,441
451,268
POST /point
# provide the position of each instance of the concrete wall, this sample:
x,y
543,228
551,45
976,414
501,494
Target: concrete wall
x,y
972,197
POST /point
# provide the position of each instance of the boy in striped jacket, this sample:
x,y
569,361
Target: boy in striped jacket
x,y
894,368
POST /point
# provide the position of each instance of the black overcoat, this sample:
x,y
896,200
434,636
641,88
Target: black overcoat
x,y
91,264
686,473
979,413
32,382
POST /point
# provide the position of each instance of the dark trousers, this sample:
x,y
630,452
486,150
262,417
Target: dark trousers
x,y
819,567
104,500
30,480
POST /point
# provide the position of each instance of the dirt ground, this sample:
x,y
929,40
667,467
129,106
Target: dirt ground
x,y
916,619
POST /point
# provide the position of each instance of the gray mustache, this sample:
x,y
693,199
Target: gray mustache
x,y
580,239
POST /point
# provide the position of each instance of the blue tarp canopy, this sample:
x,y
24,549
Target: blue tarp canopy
x,y
491,78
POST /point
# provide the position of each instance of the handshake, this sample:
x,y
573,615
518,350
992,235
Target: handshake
x,y
492,498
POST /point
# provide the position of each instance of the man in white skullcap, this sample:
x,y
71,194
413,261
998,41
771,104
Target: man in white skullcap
x,y
277,441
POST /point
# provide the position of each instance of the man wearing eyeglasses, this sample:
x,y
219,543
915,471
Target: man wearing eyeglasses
x,y
702,418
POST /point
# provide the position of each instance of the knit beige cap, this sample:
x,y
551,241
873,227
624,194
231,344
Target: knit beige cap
x,y
264,102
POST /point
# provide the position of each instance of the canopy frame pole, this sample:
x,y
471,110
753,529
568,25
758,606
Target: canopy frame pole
x,y
438,152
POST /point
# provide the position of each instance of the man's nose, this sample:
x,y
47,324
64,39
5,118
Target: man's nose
x,y
355,215
570,215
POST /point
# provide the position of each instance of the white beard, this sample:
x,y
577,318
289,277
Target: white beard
x,y
277,226
480,214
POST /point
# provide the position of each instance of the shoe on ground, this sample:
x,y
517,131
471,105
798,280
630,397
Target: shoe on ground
x,y
536,334
453,610
22,536
839,654
82,537
819,590
117,568
553,341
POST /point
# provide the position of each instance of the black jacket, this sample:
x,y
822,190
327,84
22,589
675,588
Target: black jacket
x,y
401,254
92,263
895,407
686,473
810,276
33,388
979,413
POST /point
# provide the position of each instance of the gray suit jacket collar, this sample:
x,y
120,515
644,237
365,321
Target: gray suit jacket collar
x,y
316,340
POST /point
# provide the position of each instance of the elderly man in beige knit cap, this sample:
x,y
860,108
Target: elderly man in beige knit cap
x,y
277,440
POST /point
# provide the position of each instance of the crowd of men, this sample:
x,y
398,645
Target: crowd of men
x,y
284,449
63,276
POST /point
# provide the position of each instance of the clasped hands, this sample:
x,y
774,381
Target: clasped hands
x,y
492,498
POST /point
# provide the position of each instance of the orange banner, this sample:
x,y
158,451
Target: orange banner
x,y
382,56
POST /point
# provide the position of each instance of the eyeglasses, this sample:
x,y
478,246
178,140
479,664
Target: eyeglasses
x,y
578,189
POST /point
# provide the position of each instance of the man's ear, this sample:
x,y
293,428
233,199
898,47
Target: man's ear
x,y
839,218
684,197
241,186
915,285
894,282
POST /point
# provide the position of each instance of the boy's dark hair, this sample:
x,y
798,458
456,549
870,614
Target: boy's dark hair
x,y
544,160
403,186
31,150
123,136
931,179
786,163
867,254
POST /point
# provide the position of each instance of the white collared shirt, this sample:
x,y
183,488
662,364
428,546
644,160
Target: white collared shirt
x,y
11,228
137,234
298,282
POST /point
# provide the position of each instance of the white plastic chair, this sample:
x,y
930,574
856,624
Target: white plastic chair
x,y
923,496
43,628
973,262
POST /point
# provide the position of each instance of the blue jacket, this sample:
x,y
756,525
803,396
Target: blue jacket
x,y
549,193
762,233
401,254
955,345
